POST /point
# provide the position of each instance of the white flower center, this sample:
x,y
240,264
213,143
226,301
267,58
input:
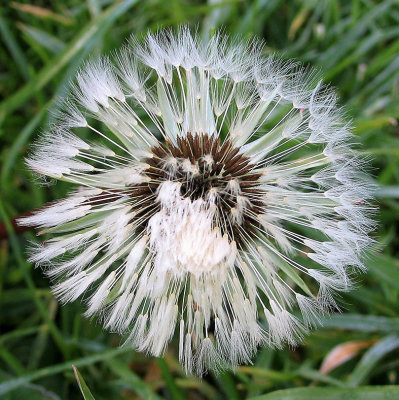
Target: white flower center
x,y
183,235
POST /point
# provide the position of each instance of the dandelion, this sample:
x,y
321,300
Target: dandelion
x,y
218,198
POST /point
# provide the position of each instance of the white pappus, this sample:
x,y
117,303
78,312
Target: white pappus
x,y
218,192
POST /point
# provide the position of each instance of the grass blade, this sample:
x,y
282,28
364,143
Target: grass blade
x,y
100,24
361,323
174,390
29,281
20,141
42,38
364,393
82,385
14,49
385,269
371,358
136,384
12,384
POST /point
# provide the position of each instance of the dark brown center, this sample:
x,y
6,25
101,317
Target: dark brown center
x,y
204,167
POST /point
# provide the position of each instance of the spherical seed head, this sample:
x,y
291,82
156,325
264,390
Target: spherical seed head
x,y
224,190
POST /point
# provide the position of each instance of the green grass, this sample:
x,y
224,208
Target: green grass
x,y
354,43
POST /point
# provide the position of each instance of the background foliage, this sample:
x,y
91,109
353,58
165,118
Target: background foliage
x,y
43,43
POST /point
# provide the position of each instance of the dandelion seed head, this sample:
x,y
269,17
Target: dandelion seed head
x,y
217,193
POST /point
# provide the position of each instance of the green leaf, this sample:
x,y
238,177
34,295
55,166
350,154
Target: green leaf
x,y
18,143
313,375
17,54
363,393
87,33
132,380
362,323
385,269
43,38
269,374
12,384
174,390
82,385
228,385
350,39
371,358
30,283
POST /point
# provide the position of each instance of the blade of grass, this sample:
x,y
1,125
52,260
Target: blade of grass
x,y
94,7
40,344
100,24
29,281
208,391
361,323
273,375
20,141
375,301
82,385
385,269
8,386
228,386
174,390
17,333
313,375
371,358
12,361
363,393
383,80
14,49
32,125
44,39
365,46
350,39
135,383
